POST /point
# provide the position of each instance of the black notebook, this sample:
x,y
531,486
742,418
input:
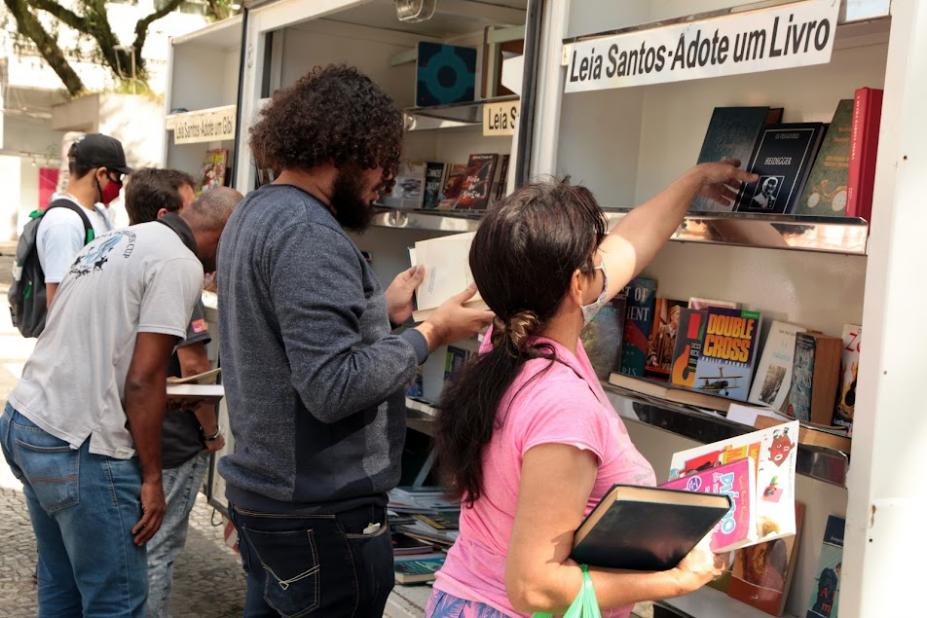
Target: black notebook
x,y
646,528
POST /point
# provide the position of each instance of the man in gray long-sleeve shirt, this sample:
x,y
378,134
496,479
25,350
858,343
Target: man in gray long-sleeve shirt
x,y
314,378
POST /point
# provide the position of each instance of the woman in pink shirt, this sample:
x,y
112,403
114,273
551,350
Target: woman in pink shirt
x,y
528,438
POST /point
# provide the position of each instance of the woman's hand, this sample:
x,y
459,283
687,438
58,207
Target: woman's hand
x,y
721,181
698,568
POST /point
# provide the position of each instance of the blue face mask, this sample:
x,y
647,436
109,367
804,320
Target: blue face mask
x,y
590,310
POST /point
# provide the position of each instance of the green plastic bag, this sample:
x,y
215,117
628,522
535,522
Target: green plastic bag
x,y
585,605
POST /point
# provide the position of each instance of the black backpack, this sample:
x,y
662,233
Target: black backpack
x,y
28,306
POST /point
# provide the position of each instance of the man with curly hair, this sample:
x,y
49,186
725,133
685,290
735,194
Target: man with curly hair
x,y
314,377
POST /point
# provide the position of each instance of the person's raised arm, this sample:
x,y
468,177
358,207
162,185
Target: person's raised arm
x,y
636,239
556,480
145,400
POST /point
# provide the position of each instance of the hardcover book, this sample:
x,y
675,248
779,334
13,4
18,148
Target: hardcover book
x,y
782,158
849,368
408,186
417,569
864,142
476,188
825,592
455,359
501,178
641,296
445,74
453,185
688,350
728,352
646,528
662,344
772,452
447,272
602,337
732,132
214,166
815,375
763,573
774,373
434,182
825,192
736,480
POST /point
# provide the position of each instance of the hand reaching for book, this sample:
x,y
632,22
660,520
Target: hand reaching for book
x,y
698,568
721,181
399,294
453,321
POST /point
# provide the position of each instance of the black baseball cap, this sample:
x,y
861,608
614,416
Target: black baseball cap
x,y
98,150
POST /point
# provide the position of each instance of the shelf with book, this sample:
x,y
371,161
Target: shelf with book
x,y
454,115
817,462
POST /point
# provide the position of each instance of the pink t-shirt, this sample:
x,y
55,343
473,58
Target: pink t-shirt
x,y
565,405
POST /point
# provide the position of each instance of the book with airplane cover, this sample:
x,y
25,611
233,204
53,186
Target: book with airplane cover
x,y
849,368
434,182
732,132
688,350
454,179
477,186
773,453
602,337
782,159
408,187
737,480
728,352
641,295
417,569
815,376
774,372
646,528
662,342
762,574
826,589
825,192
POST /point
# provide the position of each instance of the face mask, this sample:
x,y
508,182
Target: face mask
x,y
590,310
111,191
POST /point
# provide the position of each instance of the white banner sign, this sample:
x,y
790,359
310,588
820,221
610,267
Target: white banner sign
x,y
501,118
791,35
208,125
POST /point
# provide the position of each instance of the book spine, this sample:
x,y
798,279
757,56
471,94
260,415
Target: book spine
x,y
867,107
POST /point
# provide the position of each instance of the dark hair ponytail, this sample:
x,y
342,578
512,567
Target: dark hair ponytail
x,y
522,258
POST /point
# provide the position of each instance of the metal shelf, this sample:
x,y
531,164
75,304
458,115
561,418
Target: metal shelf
x,y
438,221
451,116
816,462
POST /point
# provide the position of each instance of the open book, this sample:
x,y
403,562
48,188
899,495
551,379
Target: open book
x,y
447,272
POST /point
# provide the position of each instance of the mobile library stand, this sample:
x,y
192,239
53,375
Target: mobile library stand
x,y
626,133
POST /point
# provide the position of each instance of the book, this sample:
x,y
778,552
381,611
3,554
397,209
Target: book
x,y
444,74
453,184
662,342
728,352
737,480
849,368
417,569
207,377
782,158
641,296
447,272
603,336
815,375
826,591
825,191
195,392
646,528
476,189
408,187
762,574
688,350
773,453
864,142
455,359
774,372
732,132
704,303
405,545
501,182
214,166
434,181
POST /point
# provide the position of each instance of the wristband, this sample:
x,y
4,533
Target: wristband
x,y
212,437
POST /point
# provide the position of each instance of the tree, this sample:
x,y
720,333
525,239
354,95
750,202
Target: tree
x,y
89,18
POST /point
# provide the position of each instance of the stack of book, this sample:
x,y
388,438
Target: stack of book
x,y
423,524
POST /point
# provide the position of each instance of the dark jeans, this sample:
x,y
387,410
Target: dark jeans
x,y
318,565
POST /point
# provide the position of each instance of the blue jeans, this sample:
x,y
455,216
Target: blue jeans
x,y
317,565
180,487
82,507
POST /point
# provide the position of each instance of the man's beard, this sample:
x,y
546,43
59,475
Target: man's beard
x,y
351,211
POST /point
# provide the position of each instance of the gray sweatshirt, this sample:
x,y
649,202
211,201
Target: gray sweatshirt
x,y
314,379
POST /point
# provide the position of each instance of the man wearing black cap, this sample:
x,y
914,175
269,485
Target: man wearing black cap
x,y
96,165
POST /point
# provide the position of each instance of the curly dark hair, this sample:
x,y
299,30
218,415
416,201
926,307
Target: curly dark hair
x,y
334,114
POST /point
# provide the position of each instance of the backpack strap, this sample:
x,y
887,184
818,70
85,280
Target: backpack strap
x,y
89,233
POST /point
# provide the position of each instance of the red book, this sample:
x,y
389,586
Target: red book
x,y
864,142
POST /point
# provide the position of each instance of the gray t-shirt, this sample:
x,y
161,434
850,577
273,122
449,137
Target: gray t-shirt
x,y
138,279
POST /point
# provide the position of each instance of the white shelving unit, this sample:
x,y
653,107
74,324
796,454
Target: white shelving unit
x,y
627,143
